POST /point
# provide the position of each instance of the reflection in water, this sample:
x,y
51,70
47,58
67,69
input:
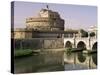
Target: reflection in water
x,y
94,58
75,67
35,63
81,58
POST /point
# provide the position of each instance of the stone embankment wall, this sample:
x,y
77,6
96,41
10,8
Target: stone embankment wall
x,y
39,43
51,49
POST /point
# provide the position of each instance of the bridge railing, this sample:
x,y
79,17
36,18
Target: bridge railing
x,y
93,37
81,37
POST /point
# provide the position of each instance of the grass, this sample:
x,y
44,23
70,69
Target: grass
x,y
21,52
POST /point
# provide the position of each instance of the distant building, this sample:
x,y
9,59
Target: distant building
x,y
93,29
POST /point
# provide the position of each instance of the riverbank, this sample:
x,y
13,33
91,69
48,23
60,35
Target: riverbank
x,y
29,52
22,53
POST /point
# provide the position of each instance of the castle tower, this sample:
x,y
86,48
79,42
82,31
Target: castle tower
x,y
47,20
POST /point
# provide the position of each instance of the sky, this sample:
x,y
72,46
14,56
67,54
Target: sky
x,y
75,16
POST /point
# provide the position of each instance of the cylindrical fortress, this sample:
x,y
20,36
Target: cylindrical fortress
x,y
46,20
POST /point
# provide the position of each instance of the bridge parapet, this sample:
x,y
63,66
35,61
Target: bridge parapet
x,y
88,41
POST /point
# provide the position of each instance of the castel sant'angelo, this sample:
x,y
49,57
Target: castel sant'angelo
x,y
48,23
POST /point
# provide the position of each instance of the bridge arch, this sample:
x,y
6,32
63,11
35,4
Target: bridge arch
x,y
94,47
81,57
81,45
94,56
68,44
68,54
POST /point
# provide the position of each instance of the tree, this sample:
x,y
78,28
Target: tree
x,y
92,34
83,33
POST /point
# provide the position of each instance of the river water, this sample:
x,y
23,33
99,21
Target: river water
x,y
36,63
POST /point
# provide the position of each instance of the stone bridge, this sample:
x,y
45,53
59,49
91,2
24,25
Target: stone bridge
x,y
86,43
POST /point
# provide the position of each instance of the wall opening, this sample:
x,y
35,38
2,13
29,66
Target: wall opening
x,y
68,44
81,45
94,56
68,47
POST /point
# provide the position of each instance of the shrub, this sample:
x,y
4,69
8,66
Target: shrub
x,y
68,51
92,34
19,53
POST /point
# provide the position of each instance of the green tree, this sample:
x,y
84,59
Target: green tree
x,y
92,34
68,51
83,33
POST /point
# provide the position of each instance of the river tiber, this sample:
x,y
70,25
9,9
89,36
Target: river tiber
x,y
44,45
